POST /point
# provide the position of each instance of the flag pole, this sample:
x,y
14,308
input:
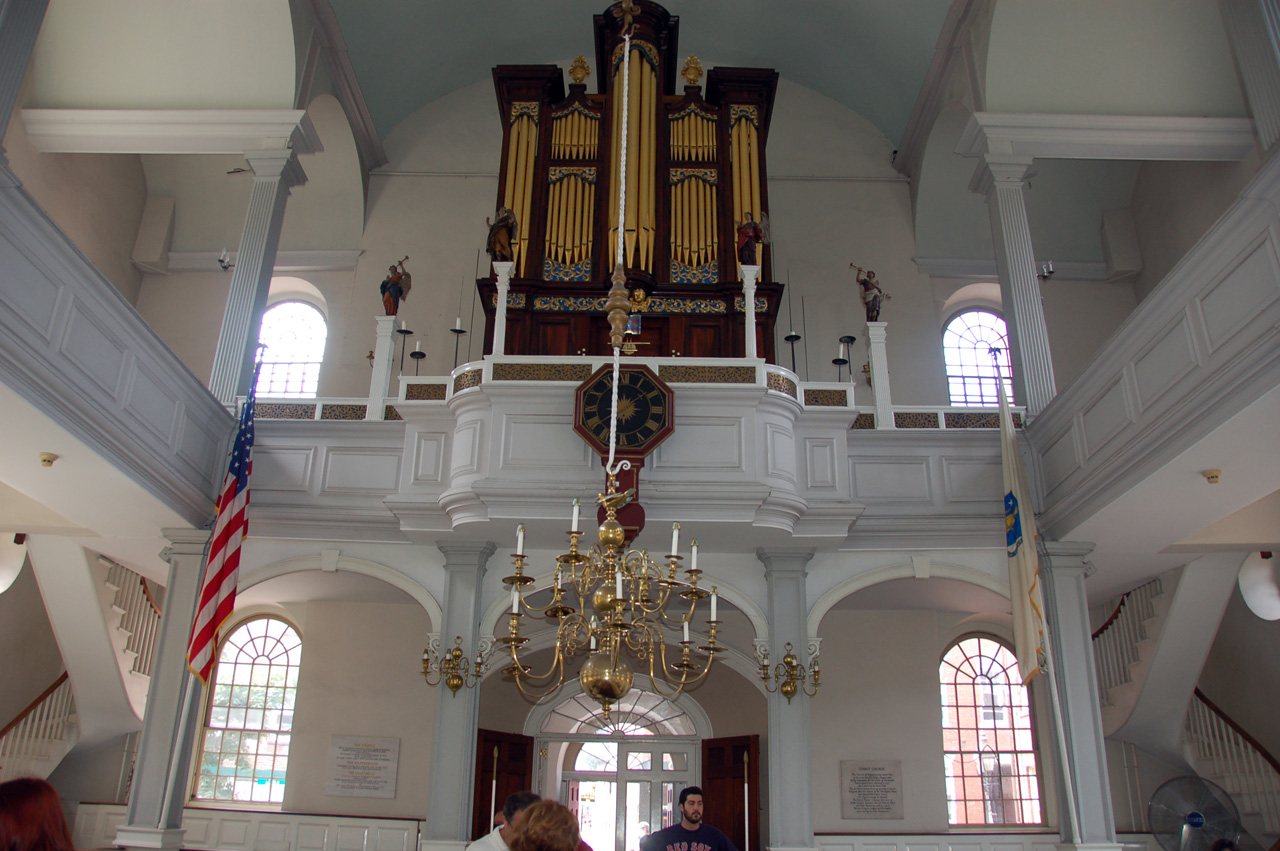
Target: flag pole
x,y
1044,656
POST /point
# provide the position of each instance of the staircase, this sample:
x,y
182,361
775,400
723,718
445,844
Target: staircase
x,y
36,741
139,613
1221,751
1122,644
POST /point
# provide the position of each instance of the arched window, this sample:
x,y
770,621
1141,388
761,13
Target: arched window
x,y
966,348
294,333
244,754
992,774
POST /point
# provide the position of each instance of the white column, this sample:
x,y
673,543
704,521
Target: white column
x,y
19,26
790,793
1002,179
274,173
384,349
453,744
750,274
500,309
154,817
1084,769
879,374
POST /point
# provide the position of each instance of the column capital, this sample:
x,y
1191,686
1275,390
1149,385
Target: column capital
x,y
466,555
1001,169
877,332
276,165
1068,555
185,541
778,560
750,274
503,269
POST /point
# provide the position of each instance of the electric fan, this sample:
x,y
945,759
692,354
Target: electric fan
x,y
1189,813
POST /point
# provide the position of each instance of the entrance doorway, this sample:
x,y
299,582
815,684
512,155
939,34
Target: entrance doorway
x,y
625,789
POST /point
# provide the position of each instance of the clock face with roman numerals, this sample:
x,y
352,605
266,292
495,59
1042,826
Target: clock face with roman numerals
x,y
645,411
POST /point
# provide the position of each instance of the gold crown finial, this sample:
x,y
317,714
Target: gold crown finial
x,y
579,70
692,71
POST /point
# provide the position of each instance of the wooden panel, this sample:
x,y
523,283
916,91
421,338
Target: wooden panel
x,y
512,756
731,787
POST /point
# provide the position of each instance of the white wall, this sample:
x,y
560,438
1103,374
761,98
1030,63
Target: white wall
x,y
879,700
31,660
96,199
360,676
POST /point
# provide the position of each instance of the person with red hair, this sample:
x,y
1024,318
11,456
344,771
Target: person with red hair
x,y
31,817
546,826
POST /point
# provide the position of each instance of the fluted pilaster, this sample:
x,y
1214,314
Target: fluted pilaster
x,y
274,174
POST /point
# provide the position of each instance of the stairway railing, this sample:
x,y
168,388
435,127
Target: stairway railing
x,y
1115,643
139,615
30,736
1240,764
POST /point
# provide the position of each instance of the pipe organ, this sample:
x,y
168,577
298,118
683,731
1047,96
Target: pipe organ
x,y
695,168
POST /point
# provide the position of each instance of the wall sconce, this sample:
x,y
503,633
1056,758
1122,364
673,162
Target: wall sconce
x,y
453,668
789,676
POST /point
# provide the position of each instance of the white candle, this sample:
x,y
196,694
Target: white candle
x,y
402,325
840,350
593,642
686,631
713,604
576,505
457,323
520,539
515,601
417,347
557,579
618,584
675,538
693,561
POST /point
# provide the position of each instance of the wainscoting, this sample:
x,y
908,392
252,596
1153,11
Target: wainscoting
x,y
94,826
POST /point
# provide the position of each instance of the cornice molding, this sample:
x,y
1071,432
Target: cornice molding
x,y
346,85
316,260
1107,137
169,131
981,268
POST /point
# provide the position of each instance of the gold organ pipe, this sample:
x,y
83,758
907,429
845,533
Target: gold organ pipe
x,y
753,138
588,221
736,161
555,220
675,221
651,158
616,146
575,221
703,213
631,223
516,177
530,158
686,243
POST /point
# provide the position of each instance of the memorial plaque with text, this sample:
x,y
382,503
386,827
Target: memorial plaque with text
x,y
871,789
362,767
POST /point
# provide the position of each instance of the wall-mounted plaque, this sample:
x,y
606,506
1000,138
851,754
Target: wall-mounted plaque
x,y
871,789
362,767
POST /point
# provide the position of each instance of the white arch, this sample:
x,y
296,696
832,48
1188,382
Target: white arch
x,y
538,715
494,621
388,575
899,571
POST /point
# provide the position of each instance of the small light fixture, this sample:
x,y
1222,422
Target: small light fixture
x,y
1212,476
1046,270
47,459
789,675
453,668
224,260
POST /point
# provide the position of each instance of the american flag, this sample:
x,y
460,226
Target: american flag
x,y
218,593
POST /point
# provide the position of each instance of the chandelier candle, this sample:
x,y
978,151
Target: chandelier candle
x,y
576,507
675,542
520,540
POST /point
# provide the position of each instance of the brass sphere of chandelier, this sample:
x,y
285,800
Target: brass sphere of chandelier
x,y
613,605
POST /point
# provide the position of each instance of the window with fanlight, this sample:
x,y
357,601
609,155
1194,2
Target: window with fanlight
x,y
294,334
967,348
989,751
244,749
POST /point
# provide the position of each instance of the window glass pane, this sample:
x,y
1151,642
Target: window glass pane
x,y
294,334
990,765
250,765
967,345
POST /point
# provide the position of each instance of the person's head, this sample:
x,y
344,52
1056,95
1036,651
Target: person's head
x,y
546,826
691,806
750,217
516,804
871,276
499,819
31,817
391,268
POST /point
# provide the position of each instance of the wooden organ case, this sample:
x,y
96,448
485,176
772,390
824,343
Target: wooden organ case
x,y
695,169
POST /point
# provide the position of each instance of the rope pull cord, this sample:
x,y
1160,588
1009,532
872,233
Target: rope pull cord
x,y
613,468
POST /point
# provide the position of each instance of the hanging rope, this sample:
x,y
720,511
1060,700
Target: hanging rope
x,y
611,468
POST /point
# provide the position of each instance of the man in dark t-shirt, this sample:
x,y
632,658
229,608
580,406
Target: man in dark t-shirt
x,y
690,834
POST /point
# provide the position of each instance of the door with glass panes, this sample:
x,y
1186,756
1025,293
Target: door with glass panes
x,y
625,788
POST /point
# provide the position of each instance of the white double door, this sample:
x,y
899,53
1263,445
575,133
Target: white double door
x,y
625,788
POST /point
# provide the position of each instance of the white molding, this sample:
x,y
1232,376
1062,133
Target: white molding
x,y
346,85
1107,137
287,262
970,267
952,43
169,131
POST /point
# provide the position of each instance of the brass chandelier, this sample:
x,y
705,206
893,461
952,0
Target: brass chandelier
x,y
609,603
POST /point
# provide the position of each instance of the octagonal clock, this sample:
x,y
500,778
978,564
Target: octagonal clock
x,y
646,411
